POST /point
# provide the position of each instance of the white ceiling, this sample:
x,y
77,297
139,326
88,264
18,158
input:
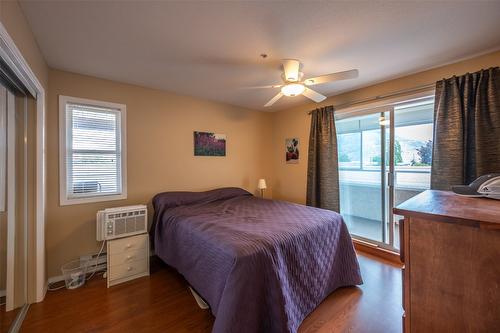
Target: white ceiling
x,y
211,49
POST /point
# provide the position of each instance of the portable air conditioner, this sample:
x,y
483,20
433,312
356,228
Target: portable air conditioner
x,y
121,222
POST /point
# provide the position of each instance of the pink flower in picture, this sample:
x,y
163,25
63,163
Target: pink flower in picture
x,y
209,144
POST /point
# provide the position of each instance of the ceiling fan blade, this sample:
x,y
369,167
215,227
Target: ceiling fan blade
x,y
353,73
291,68
315,96
264,87
274,99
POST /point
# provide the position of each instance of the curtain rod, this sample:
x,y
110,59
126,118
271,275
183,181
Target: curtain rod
x,y
379,97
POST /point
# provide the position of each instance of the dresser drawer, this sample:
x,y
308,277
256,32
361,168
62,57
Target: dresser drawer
x,y
128,269
129,244
128,256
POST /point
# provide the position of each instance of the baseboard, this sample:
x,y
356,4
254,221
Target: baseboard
x,y
45,290
91,263
377,251
60,278
101,266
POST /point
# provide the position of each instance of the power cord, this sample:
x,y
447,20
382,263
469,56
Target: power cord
x,y
97,260
53,287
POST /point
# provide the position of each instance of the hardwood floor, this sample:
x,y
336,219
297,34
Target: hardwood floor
x,y
374,307
6,318
163,303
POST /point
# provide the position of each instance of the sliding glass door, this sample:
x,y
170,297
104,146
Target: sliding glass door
x,y
361,171
413,134
383,161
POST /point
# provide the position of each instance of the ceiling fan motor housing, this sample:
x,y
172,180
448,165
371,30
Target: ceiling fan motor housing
x,y
287,80
291,70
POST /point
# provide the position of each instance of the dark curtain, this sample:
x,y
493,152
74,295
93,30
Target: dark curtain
x,y
322,165
466,128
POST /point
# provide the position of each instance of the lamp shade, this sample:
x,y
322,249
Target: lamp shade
x,y
293,89
262,184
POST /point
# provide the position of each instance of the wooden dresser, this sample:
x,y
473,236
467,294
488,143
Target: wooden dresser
x,y
450,248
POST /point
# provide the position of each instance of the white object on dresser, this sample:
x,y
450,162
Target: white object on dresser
x,y
121,222
128,259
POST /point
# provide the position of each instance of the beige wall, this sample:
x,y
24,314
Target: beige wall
x,y
160,157
289,182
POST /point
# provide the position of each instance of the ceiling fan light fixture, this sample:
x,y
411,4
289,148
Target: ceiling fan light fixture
x,y
293,89
294,85
384,122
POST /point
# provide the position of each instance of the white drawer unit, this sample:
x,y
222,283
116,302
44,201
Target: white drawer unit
x,y
128,258
128,244
127,271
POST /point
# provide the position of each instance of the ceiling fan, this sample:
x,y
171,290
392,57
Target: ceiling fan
x,y
293,85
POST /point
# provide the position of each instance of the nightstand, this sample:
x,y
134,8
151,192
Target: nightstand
x,y
128,259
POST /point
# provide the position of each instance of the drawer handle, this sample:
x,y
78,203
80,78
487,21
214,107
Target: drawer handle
x,y
128,246
129,268
402,240
129,257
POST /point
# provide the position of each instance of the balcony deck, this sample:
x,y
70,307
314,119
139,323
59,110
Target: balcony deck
x,y
370,229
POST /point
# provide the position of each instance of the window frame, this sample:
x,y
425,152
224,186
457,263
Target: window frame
x,y
64,198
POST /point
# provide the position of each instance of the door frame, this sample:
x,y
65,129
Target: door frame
x,y
388,176
11,55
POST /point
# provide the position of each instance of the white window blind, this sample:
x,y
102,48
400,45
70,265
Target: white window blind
x,y
93,152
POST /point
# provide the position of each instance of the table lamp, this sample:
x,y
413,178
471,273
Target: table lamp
x,y
262,186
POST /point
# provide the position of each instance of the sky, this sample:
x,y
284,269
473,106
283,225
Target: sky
x,y
416,132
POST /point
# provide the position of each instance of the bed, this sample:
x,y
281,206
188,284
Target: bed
x,y
261,265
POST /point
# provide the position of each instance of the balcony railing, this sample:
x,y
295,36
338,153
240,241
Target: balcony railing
x,y
361,197
410,177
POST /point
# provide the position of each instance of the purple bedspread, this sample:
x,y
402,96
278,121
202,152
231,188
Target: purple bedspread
x,y
261,265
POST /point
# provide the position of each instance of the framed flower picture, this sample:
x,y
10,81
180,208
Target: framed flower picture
x,y
209,144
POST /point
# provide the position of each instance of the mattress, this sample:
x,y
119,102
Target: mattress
x,y
262,265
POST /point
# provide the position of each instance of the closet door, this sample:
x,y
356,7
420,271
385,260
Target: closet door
x,y
3,207
17,198
16,201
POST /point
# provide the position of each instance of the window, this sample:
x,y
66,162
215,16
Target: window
x,y
371,145
349,150
92,151
414,126
359,144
